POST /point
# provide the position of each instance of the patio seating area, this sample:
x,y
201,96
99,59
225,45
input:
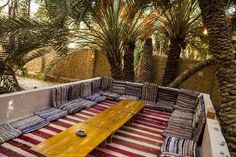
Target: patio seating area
x,y
172,122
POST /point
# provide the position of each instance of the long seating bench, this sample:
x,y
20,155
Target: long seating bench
x,y
185,126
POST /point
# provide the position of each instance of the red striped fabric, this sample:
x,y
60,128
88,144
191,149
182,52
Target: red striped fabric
x,y
141,138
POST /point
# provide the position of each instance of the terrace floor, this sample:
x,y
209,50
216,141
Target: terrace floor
x,y
143,137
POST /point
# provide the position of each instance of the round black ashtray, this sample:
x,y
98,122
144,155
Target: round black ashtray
x,y
81,133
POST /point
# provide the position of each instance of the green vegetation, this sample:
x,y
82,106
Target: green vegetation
x,y
122,31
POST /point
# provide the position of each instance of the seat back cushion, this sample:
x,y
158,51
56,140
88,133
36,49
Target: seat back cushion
x,y
86,89
106,83
167,94
186,102
118,87
96,85
74,91
149,92
134,89
59,96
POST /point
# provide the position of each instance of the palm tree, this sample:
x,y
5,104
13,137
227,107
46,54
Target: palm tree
x,y
137,25
104,34
145,71
31,39
178,22
221,46
188,73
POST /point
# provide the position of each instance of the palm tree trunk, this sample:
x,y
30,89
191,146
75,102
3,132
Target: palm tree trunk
x,y
129,62
146,65
116,68
221,46
190,72
171,69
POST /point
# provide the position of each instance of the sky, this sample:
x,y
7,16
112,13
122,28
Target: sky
x,y
34,7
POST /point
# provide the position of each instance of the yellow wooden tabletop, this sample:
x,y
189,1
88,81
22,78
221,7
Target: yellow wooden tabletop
x,y
98,128
67,144
129,105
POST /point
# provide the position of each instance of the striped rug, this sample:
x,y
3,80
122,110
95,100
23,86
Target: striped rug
x,y
141,138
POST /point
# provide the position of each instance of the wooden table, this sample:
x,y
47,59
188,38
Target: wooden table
x,y
98,129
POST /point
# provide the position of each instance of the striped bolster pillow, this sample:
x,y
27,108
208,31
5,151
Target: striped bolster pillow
x,y
118,87
176,146
59,96
29,123
7,132
149,92
106,83
134,89
74,91
86,89
96,84
51,114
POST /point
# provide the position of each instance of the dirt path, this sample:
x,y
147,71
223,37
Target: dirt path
x,y
29,83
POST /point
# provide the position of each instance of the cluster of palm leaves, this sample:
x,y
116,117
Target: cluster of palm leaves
x,y
115,28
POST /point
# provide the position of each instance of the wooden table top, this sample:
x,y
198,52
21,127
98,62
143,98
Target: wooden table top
x,y
98,129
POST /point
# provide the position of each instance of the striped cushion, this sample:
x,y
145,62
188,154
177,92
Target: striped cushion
x,y
96,84
74,91
51,114
167,94
134,89
186,102
118,87
110,95
149,92
73,106
86,89
149,104
199,128
128,97
7,132
176,146
96,97
180,125
30,123
164,105
59,96
106,83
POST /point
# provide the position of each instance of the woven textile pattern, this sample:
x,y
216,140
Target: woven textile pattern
x,y
96,84
86,89
51,114
128,97
149,92
167,94
59,96
106,83
73,106
186,102
134,89
74,91
97,97
118,87
177,146
7,132
30,123
140,138
164,105
110,95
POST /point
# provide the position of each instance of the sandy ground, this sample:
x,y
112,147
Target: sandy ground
x,y
30,83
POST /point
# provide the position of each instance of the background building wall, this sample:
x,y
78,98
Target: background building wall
x,y
84,64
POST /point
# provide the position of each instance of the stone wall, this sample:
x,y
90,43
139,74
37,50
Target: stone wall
x,y
84,64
